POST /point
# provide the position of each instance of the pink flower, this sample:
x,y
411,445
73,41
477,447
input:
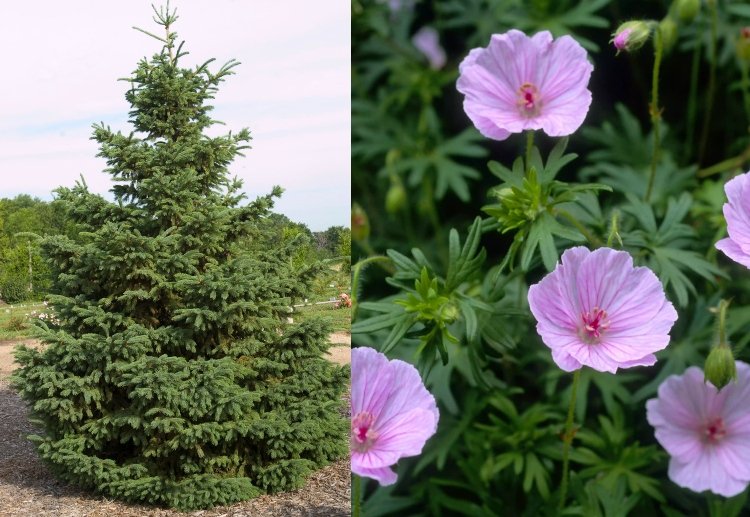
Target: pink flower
x,y
620,40
705,431
393,414
520,82
595,309
737,214
427,41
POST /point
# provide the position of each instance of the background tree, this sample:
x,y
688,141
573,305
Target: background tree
x,y
173,378
19,218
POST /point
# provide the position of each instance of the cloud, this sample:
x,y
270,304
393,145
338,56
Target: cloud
x,y
292,90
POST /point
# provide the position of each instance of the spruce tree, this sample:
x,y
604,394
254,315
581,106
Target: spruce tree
x,y
173,377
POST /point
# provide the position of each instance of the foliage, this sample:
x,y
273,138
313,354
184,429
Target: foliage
x,y
171,377
14,324
442,279
14,290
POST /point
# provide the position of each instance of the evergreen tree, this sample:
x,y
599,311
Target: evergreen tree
x,y
173,378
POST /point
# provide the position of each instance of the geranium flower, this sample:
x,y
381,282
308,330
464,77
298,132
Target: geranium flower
x,y
737,214
427,41
393,414
520,82
595,309
705,431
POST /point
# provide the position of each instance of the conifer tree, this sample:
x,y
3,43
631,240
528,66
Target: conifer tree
x,y
173,377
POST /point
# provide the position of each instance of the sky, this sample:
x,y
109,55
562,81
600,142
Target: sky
x,y
62,61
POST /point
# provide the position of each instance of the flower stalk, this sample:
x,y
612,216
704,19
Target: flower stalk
x,y
356,496
711,80
568,438
720,368
529,147
654,109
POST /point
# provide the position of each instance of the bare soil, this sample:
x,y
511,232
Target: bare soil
x,y
7,364
27,488
341,354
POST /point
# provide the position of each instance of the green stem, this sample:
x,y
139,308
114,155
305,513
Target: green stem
x,y
725,165
723,306
432,214
745,89
356,496
692,108
654,109
579,226
568,438
711,81
529,147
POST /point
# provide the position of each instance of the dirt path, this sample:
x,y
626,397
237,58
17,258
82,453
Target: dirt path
x,y
341,354
7,363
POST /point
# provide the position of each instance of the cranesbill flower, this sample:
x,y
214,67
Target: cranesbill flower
x,y
705,431
520,82
595,309
427,41
737,214
393,414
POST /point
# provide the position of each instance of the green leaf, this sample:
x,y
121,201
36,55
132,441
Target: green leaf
x,y
397,332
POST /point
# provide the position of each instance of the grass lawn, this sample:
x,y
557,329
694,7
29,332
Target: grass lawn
x,y
342,318
15,319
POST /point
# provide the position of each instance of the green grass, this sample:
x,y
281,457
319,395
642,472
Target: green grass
x,y
341,318
17,314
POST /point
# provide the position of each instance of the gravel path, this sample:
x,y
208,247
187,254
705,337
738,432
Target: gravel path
x,y
28,489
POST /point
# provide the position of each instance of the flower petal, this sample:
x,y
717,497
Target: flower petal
x,y
374,381
705,473
385,476
410,394
492,79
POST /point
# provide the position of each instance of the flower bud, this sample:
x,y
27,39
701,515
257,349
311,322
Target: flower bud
x,y
720,367
631,35
687,10
360,223
743,44
668,30
395,198
448,313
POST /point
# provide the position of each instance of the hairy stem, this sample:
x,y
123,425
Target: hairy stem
x,y
711,81
745,89
654,109
529,147
356,496
568,438
692,107
726,165
723,306
590,237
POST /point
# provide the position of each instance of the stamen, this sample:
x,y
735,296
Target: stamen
x,y
595,323
528,100
715,430
363,435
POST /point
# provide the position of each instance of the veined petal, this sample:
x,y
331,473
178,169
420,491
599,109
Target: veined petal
x,y
522,83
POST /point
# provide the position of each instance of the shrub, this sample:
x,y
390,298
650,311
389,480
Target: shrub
x,y
14,290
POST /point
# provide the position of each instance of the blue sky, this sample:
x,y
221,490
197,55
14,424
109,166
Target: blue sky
x,y
292,91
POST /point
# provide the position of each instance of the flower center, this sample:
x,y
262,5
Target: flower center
x,y
715,430
595,322
363,435
528,100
